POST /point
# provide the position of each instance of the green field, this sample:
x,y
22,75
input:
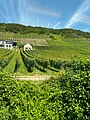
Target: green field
x,y
56,50
65,98
51,82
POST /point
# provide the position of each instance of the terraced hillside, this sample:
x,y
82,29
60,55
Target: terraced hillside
x,y
55,75
52,49
20,62
46,60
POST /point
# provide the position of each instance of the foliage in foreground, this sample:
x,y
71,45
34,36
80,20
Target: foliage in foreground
x,y
67,98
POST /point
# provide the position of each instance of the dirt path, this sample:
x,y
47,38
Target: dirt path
x,y
33,78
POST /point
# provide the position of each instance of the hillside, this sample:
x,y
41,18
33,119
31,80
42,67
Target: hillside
x,y
52,49
21,31
51,82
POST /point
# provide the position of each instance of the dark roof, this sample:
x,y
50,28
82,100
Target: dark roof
x,y
9,42
2,40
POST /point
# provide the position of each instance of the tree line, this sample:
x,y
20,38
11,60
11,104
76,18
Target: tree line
x,y
22,29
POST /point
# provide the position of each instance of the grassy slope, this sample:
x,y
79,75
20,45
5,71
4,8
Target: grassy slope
x,y
65,49
59,48
22,69
11,66
10,35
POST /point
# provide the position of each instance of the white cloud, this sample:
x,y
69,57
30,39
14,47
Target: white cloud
x,y
44,11
4,10
27,10
48,25
86,30
57,25
81,15
85,19
23,12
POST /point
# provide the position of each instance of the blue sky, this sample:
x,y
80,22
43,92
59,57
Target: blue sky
x,y
47,13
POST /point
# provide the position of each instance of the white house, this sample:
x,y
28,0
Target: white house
x,y
28,47
7,44
2,44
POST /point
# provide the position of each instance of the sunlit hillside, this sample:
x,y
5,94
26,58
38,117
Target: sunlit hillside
x,y
50,81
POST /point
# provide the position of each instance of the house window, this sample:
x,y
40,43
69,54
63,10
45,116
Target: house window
x,y
2,42
9,45
1,45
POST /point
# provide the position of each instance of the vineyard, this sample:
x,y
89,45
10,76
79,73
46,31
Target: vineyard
x,y
24,62
50,60
65,98
58,56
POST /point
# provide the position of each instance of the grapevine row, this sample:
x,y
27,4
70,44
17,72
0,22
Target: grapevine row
x,y
31,63
4,60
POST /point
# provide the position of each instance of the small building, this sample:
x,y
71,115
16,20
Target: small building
x,y
28,47
2,43
7,44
